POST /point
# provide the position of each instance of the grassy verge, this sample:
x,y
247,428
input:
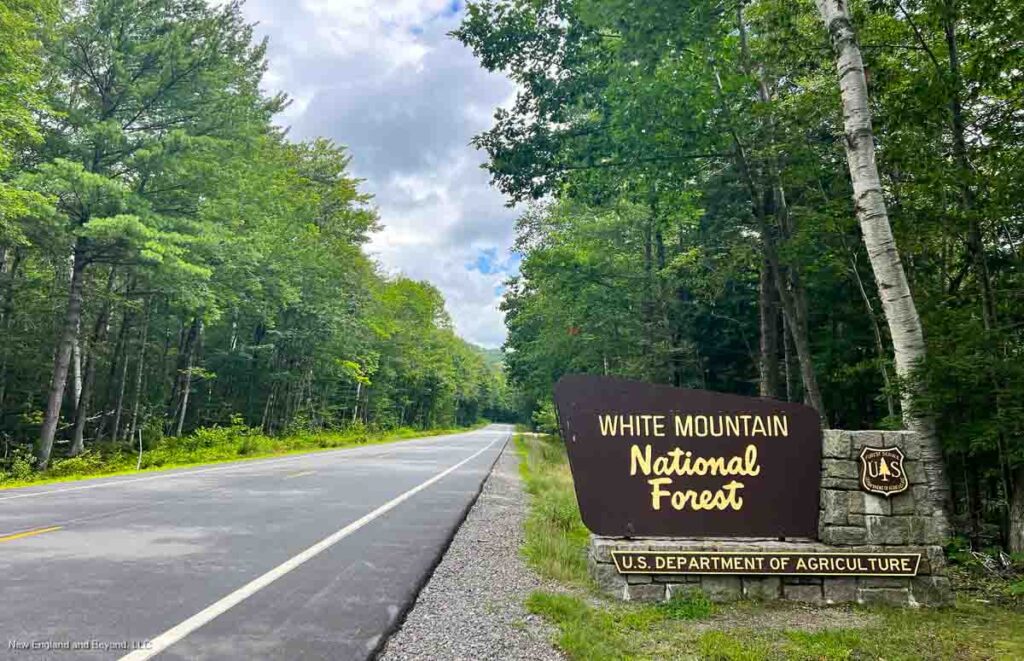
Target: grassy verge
x,y
206,446
556,540
590,627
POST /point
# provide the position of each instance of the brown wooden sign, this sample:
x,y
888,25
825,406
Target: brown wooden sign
x,y
767,563
882,472
653,460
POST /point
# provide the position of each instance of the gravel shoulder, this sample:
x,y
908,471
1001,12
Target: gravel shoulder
x,y
472,606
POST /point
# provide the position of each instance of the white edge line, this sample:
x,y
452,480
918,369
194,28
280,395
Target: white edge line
x,y
234,466
176,633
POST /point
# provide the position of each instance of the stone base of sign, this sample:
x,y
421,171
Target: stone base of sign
x,y
928,588
850,521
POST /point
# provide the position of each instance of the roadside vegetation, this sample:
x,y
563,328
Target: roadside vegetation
x,y
204,446
687,174
986,623
176,272
556,539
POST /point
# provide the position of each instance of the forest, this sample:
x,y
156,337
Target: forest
x,y
820,202
172,263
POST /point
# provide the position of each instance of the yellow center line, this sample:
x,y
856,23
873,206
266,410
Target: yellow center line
x,y
28,533
300,474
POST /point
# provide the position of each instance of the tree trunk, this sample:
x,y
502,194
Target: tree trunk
x,y
768,319
186,387
76,367
62,360
99,335
355,409
893,288
794,309
791,294
266,410
1016,537
137,398
121,383
184,403
965,177
787,362
3,269
973,503
7,320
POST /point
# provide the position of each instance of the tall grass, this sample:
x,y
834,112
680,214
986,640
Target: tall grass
x,y
556,539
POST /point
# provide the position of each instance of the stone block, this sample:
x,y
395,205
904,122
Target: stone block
x,y
931,590
918,529
681,590
936,535
676,578
888,530
845,469
861,439
840,590
861,502
921,502
811,594
904,503
647,592
923,530
907,441
762,588
638,579
915,472
844,535
835,444
856,520
601,547
722,588
884,596
884,582
834,508
802,580
607,579
933,561
839,483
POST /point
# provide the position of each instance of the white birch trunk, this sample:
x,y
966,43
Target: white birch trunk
x,y
76,367
893,288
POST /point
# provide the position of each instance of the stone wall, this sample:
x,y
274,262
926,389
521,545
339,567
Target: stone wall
x,y
849,520
851,517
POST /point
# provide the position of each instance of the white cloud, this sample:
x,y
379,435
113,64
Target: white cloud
x,y
384,79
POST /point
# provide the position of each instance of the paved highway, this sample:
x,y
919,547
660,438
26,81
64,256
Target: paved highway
x,y
308,556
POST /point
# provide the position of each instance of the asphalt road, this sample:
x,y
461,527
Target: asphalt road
x,y
310,556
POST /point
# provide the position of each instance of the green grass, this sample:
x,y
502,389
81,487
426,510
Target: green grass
x,y
590,627
963,632
614,631
556,539
211,445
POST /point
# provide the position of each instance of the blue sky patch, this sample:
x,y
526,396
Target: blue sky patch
x,y
486,262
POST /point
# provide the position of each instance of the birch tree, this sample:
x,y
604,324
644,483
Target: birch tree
x,y
869,202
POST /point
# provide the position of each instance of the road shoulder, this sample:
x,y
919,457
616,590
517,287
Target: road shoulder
x,y
472,606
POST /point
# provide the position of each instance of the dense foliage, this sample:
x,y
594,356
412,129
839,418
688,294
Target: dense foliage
x,y
692,217
170,261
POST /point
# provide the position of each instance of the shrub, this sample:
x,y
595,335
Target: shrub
x,y
87,463
17,465
544,419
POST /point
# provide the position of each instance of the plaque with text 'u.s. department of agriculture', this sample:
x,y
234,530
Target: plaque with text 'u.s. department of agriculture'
x,y
653,460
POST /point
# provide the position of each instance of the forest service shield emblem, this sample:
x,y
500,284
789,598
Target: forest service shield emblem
x,y
882,472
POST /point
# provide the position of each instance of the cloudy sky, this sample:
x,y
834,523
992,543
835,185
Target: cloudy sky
x,y
382,77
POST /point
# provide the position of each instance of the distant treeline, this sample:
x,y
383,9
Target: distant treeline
x,y
693,220
168,260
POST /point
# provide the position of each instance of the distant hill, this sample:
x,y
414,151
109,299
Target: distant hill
x,y
492,356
